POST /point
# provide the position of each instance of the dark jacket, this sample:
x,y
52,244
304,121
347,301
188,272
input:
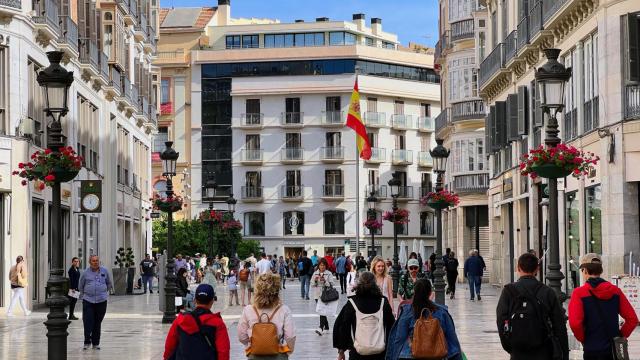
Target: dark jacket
x,y
307,266
74,277
184,342
555,312
586,323
345,325
182,287
451,266
473,266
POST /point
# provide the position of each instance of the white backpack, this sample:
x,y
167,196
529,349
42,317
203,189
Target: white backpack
x,y
369,337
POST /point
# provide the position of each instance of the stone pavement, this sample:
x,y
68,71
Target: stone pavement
x,y
133,330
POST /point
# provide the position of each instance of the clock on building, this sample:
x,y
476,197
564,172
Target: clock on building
x,y
90,202
90,196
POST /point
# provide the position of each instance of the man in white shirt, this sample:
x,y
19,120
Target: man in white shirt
x,y
264,265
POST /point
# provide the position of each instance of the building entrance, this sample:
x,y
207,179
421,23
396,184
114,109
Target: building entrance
x,y
293,252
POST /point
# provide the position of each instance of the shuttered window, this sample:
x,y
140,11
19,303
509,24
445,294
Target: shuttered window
x,y
501,125
491,129
512,117
633,47
523,111
536,110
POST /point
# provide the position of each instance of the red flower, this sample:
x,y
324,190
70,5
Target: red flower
x,y
24,182
21,165
48,151
15,172
50,178
41,186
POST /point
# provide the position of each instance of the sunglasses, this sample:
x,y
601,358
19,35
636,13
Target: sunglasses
x,y
413,268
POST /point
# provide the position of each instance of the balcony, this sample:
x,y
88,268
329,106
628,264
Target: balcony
x,y
332,118
510,46
491,65
471,183
252,120
115,81
467,110
125,6
68,40
292,155
89,57
104,69
632,101
591,119
380,191
153,115
292,192
332,154
177,57
462,30
333,191
425,124
401,121
425,159
251,156
151,43
523,30
442,120
405,193
46,20
251,193
292,119
378,155
140,29
375,119
402,157
10,8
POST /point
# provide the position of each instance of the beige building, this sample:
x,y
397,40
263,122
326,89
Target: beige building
x,y
599,213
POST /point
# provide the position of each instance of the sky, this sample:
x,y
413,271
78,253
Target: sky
x,y
411,20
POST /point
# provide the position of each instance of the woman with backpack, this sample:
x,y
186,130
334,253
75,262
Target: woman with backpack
x,y
267,316
364,322
419,314
322,280
244,279
452,274
383,280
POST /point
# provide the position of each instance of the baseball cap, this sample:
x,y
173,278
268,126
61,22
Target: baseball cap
x,y
413,262
590,258
205,293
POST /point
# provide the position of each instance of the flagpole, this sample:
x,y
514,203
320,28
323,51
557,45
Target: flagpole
x,y
357,187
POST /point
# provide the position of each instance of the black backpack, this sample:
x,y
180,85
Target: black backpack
x,y
525,329
199,345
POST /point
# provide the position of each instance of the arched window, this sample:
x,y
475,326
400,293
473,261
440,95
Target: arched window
x,y
293,222
334,222
254,223
108,16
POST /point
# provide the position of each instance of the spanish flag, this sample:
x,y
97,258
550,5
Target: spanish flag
x,y
354,121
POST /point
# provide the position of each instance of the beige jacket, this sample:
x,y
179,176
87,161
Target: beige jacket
x,y
18,270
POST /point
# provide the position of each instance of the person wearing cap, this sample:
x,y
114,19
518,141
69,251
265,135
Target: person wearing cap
x,y
407,281
200,334
594,310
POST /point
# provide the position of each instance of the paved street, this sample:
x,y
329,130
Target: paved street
x,y
132,330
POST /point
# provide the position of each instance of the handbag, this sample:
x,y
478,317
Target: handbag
x,y
329,294
619,344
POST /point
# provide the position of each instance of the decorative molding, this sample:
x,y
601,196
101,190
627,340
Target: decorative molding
x,y
42,38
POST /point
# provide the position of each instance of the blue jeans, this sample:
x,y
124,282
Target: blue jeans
x,y
147,279
475,282
304,286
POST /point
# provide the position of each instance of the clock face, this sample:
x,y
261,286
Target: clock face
x,y
91,202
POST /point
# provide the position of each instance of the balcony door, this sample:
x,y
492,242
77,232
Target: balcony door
x,y
252,142
333,139
293,141
398,107
401,142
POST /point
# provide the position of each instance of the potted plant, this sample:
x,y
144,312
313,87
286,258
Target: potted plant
x,y
400,216
557,162
124,273
440,200
50,167
167,204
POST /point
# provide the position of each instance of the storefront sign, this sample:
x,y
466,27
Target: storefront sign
x,y
630,286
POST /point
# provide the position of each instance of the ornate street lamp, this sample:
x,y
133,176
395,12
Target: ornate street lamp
x,y
55,82
169,159
210,188
551,79
372,200
394,185
440,154
231,205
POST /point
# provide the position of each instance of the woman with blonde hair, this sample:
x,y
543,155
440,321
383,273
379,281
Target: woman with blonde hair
x,y
379,269
267,308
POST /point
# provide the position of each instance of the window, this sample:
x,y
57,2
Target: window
x,y
590,71
253,179
398,107
425,183
372,105
233,41
333,103
377,231
333,222
252,106
4,93
88,132
252,142
468,155
293,223
388,45
254,224
250,41
165,94
461,78
161,137
571,100
401,143
425,110
426,223
292,111
460,9
333,139
370,41
373,139
293,178
594,219
333,177
160,187
631,45
482,46
36,131
572,236
341,38
293,141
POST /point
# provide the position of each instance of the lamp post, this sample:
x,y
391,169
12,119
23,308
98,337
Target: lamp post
x,y
394,184
55,81
372,215
551,79
231,204
440,154
210,191
169,159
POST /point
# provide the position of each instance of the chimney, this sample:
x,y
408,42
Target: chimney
x,y
299,21
359,20
322,19
223,14
376,26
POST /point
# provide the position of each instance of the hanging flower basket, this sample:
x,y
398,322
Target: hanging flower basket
x,y
232,224
168,204
557,162
400,216
211,216
440,200
50,167
373,224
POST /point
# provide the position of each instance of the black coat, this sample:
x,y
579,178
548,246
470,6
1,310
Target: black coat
x,y
507,304
74,278
345,324
182,287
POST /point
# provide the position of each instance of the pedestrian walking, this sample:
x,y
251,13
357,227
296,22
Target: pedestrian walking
x,y
18,278
182,287
341,271
264,265
267,315
530,318
305,271
315,258
199,334
331,263
593,313
232,286
473,269
244,279
383,280
361,264
209,274
432,266
321,279
94,286
224,263
180,262
282,271
352,281
399,347
147,271
364,322
408,280
451,268
291,267
74,280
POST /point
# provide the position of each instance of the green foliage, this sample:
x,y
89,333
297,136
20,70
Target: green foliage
x,y
247,247
124,258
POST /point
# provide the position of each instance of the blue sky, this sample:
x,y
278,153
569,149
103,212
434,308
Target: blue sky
x,y
412,20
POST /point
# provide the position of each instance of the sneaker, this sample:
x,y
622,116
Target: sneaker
x,y
479,298
150,291
307,298
96,347
27,313
71,317
86,346
319,331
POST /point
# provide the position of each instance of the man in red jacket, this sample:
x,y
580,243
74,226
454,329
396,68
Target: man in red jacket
x,y
594,310
200,334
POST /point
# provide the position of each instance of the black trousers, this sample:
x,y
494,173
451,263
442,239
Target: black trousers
x,y
343,283
72,304
451,281
598,356
92,316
